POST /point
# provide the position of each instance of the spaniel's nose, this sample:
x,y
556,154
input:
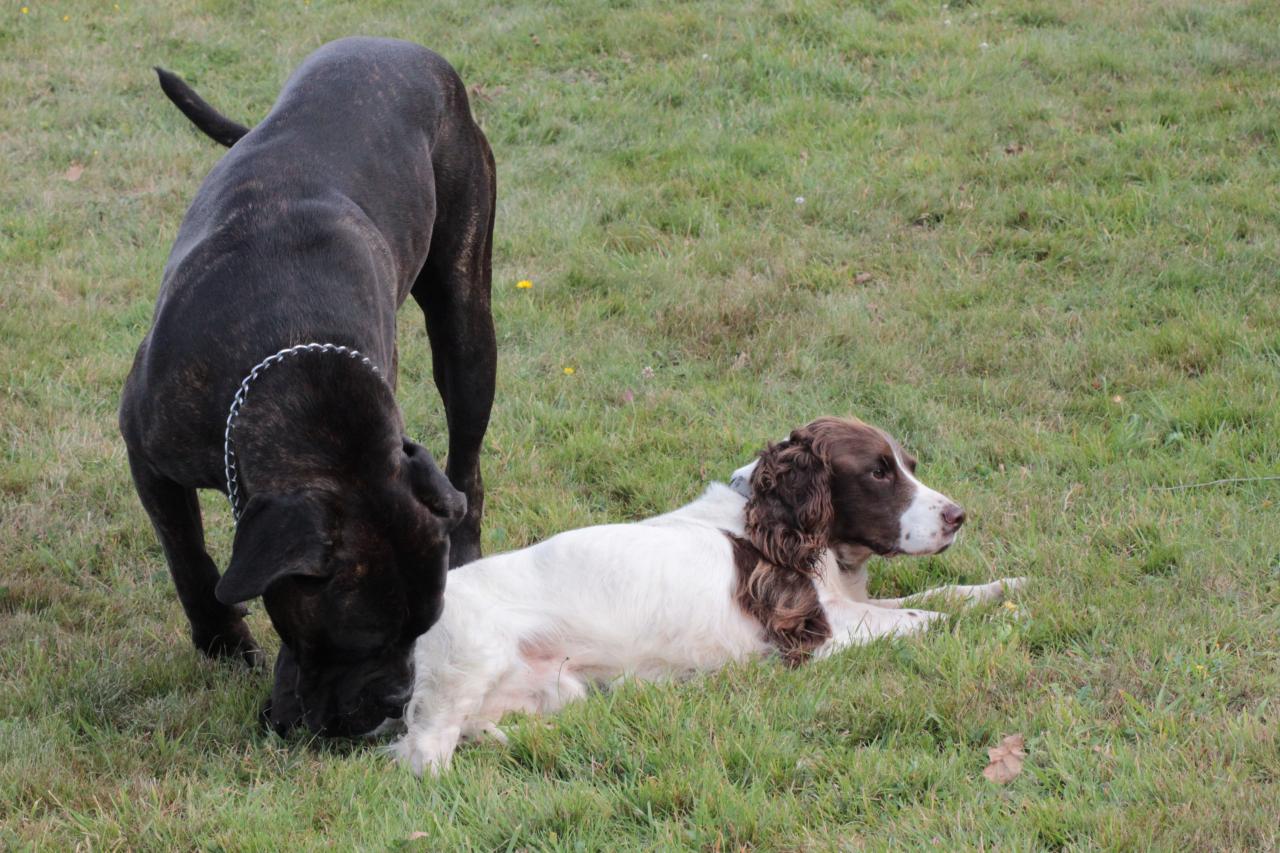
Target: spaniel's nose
x,y
952,517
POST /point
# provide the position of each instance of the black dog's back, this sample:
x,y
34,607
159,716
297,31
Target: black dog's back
x,y
358,113
285,232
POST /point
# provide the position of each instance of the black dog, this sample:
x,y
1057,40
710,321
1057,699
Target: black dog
x,y
368,182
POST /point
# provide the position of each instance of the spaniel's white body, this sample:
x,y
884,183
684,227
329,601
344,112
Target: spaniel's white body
x,y
531,629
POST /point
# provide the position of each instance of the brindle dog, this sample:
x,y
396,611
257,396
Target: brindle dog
x,y
368,182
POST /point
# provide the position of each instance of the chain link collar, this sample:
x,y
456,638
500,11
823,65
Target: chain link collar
x,y
230,468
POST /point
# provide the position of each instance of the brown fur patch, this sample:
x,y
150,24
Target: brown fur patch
x,y
783,600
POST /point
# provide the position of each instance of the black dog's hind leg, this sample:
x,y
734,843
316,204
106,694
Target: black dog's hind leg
x,y
216,629
453,290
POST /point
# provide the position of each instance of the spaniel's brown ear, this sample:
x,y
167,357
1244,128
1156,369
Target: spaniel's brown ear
x,y
789,513
785,603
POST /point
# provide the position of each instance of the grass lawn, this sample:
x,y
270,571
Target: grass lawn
x,y
1038,241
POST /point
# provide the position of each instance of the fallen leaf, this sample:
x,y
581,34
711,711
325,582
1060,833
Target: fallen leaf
x,y
73,173
862,278
414,836
1006,760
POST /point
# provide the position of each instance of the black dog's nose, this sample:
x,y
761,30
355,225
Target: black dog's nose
x,y
952,517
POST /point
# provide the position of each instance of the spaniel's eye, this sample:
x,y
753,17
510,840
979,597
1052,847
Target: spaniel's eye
x,y
880,473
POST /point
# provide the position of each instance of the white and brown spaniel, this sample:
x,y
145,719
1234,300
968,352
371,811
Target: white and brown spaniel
x,y
774,564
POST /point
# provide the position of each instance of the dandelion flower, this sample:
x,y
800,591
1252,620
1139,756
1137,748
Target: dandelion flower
x,y
568,371
25,10
1010,606
524,284
66,18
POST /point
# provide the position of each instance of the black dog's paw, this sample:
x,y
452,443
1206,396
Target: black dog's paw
x,y
229,640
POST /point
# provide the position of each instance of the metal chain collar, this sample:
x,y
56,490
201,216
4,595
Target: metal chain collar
x,y
228,452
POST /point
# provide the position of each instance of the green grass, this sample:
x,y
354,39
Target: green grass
x,y
1073,236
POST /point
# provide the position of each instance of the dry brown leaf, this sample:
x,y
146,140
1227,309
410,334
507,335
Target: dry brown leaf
x,y
414,836
1006,760
862,278
73,173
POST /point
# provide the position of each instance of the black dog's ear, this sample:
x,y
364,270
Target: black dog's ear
x,y
429,484
278,535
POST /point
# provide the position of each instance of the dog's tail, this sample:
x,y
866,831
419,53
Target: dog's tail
x,y
215,125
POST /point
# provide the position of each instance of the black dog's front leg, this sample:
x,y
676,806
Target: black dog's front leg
x,y
217,630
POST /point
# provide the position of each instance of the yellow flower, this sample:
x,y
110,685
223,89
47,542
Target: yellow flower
x,y
1010,606
568,371
25,10
524,284
66,18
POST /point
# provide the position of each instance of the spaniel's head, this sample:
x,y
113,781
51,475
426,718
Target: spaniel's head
x,y
840,482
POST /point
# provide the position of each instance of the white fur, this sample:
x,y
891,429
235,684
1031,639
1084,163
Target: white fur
x,y
921,523
531,630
